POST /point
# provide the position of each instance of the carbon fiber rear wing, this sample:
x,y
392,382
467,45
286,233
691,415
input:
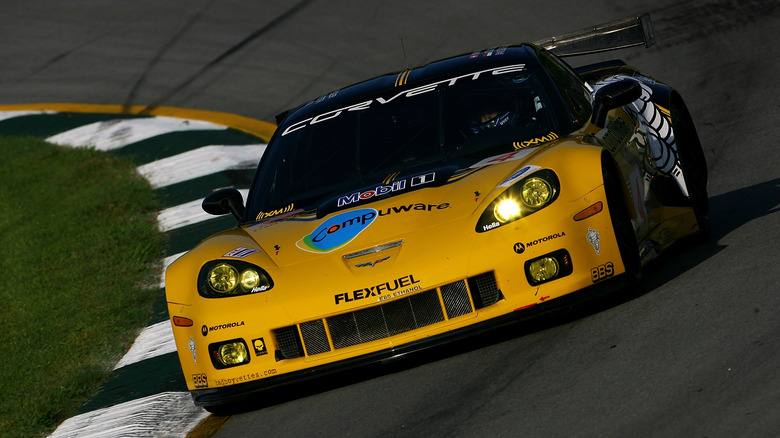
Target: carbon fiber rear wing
x,y
615,35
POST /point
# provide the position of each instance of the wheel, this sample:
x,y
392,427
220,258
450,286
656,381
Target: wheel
x,y
693,164
621,222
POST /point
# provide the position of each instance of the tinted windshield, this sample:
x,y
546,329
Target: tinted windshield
x,y
348,146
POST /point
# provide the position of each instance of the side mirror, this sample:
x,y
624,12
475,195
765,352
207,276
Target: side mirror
x,y
613,96
225,201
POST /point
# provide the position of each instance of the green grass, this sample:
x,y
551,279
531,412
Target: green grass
x,y
79,272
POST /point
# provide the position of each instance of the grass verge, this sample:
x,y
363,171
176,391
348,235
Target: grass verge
x,y
80,271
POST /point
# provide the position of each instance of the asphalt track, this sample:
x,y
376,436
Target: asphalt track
x,y
694,352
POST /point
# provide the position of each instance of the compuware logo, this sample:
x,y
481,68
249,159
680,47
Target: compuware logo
x,y
337,231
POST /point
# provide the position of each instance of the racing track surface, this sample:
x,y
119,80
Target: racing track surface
x,y
694,352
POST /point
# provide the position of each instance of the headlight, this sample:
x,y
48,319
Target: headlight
x,y
225,278
507,210
536,192
523,198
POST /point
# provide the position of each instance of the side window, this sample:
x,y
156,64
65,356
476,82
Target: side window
x,y
573,91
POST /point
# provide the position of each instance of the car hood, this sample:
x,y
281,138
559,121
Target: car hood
x,y
354,232
418,238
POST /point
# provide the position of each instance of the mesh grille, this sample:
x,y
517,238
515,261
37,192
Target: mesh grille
x,y
426,308
289,342
484,290
385,320
389,319
314,337
456,299
399,317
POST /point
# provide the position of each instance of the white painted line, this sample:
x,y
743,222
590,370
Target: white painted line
x,y
155,340
167,262
185,214
169,414
4,115
200,162
116,133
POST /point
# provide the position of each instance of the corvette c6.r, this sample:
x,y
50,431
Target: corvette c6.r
x,y
417,207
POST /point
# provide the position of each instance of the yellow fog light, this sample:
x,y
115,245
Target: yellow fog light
x,y
537,192
233,353
543,269
223,278
507,210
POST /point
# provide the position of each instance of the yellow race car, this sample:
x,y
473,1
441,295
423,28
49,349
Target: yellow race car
x,y
417,207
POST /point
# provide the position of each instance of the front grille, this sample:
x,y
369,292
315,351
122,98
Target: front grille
x,y
289,342
385,320
316,339
484,290
456,299
390,318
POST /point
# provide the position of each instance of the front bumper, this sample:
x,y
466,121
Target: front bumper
x,y
234,395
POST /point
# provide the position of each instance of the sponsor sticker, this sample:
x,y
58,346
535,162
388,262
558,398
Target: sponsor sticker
x,y
381,190
191,344
259,346
423,89
337,231
399,286
593,239
513,178
240,252
602,272
265,215
204,330
200,380
535,141
520,247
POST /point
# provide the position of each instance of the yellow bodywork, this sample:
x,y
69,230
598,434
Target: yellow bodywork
x,y
434,244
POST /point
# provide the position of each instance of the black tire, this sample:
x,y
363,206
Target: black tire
x,y
621,222
222,410
693,164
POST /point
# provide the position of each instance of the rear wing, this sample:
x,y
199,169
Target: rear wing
x,y
615,35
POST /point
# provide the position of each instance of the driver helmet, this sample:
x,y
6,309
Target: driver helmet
x,y
491,118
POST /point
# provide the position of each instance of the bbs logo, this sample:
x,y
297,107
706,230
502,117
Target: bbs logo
x,y
602,272
200,380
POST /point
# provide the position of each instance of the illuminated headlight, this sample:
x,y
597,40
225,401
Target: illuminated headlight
x,y
507,210
229,354
224,278
523,198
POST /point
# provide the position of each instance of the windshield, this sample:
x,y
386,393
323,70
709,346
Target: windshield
x,y
379,138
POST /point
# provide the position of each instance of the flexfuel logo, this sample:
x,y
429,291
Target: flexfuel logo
x,y
337,231
390,289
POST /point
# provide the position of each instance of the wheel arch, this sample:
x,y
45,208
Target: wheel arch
x,y
618,204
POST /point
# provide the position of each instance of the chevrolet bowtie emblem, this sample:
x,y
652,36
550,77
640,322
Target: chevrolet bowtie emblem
x,y
372,264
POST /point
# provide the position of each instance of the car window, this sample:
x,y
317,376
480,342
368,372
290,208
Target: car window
x,y
572,89
341,146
